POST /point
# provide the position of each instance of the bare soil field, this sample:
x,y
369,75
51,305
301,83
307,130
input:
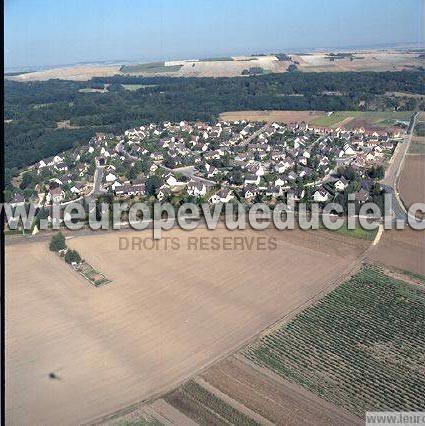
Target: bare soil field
x,y
412,179
273,397
78,73
362,61
401,249
314,62
272,116
167,315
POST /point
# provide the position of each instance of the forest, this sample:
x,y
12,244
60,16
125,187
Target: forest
x,y
32,110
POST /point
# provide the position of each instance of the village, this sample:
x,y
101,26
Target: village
x,y
216,163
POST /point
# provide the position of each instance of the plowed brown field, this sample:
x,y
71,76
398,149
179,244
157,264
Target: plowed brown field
x,y
166,315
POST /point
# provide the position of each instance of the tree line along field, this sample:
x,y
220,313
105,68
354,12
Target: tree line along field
x,y
360,347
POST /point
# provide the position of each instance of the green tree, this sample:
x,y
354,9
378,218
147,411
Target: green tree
x,y
27,180
57,242
153,183
72,256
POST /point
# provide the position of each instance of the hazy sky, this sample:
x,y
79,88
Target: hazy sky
x,y
51,32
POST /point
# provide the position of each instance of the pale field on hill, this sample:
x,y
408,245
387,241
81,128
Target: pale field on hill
x,y
166,316
77,73
370,61
379,60
229,68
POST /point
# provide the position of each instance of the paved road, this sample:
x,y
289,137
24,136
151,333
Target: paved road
x,y
249,139
392,174
97,184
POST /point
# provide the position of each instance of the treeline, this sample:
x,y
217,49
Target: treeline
x,y
36,107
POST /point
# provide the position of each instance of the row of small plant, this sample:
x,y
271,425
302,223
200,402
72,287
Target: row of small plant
x,y
73,258
203,406
361,347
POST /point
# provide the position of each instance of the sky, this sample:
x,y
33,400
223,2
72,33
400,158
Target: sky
x,y
59,32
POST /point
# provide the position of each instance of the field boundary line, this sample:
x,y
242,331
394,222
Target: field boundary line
x,y
232,402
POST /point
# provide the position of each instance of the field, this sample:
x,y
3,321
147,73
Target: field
x,y
149,68
272,116
417,146
412,179
233,66
360,347
348,119
78,73
358,232
401,249
368,120
166,315
133,87
205,407
389,60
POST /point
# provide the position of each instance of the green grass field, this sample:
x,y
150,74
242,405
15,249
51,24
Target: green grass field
x,y
150,67
358,232
363,118
222,59
336,117
361,347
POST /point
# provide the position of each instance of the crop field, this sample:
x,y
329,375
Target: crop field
x,y
166,315
273,116
417,146
149,68
368,120
348,119
359,61
360,347
205,407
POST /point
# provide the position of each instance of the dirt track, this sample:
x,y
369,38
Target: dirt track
x,y
166,316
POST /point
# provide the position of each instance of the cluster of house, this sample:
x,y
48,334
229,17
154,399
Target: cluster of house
x,y
268,159
216,160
